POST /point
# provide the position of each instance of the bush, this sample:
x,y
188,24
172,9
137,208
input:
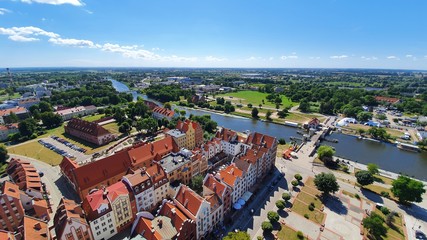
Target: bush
x,y
267,226
273,216
294,183
344,168
311,207
286,196
385,194
282,141
357,196
259,238
389,218
306,216
300,235
280,204
298,177
385,210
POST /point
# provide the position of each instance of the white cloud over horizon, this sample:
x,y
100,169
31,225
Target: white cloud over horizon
x,y
3,11
215,59
393,57
289,57
338,57
56,2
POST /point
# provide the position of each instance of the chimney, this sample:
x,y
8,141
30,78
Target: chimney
x,y
160,223
173,210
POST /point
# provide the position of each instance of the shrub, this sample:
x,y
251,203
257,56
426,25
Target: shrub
x,y
344,168
389,218
267,226
298,177
311,207
294,183
306,216
286,196
273,216
300,235
385,210
280,204
385,194
259,238
282,141
357,196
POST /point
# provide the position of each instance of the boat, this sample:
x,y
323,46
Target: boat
x,y
407,147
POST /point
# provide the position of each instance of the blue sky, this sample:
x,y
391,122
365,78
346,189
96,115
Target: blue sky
x,y
214,33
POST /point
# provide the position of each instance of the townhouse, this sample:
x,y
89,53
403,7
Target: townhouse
x,y
89,131
213,185
142,188
232,143
193,132
70,222
8,129
233,177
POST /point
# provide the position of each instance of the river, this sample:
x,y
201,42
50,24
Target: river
x,y
387,156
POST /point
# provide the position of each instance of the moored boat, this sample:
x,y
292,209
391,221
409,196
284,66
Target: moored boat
x,y
407,147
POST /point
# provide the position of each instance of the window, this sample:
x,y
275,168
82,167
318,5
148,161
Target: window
x,y
112,231
98,233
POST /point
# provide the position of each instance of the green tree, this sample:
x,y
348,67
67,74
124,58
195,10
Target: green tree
x,y
167,105
304,106
325,152
286,196
326,183
150,124
268,115
239,235
374,225
13,118
407,189
3,154
45,107
273,216
125,128
267,226
282,141
51,120
364,116
27,127
283,113
254,112
280,204
364,177
298,177
197,184
373,168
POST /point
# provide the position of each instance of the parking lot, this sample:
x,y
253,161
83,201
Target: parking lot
x,y
63,149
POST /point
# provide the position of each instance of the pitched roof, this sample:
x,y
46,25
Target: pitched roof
x,y
183,126
177,217
8,127
164,111
156,173
67,210
24,174
6,235
34,229
93,201
116,190
230,174
387,99
90,128
189,199
214,185
137,177
226,134
16,110
261,140
214,200
10,190
145,228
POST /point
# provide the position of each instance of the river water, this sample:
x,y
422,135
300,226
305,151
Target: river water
x,y
387,156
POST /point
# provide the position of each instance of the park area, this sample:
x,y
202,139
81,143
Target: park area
x,y
255,98
308,204
35,150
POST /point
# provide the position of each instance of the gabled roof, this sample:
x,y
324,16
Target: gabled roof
x,y
24,174
189,199
145,228
214,185
67,210
16,110
177,217
251,156
156,173
164,111
10,190
230,174
9,127
261,140
214,201
34,229
116,190
90,128
183,126
137,177
93,201
6,235
226,134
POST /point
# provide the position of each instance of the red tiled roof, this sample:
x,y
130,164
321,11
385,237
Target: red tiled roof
x,y
170,210
4,235
91,128
214,201
92,202
24,174
9,126
230,174
189,199
67,210
387,99
261,140
116,190
226,134
34,229
164,111
156,173
214,185
11,190
144,226
5,112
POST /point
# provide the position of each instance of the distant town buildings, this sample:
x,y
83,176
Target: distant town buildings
x,y
160,113
5,114
89,131
389,100
8,129
69,113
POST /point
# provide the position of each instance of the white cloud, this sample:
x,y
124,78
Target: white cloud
x,y
271,58
369,58
252,58
43,19
56,2
72,42
339,57
289,57
19,38
88,11
26,34
3,11
316,58
393,58
215,59
409,55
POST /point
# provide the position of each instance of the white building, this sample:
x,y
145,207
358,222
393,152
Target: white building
x,y
143,189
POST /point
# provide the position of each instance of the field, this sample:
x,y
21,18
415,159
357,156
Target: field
x,y
396,230
6,97
92,118
287,233
255,98
302,209
37,151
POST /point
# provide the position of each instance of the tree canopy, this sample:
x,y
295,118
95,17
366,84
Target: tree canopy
x,y
3,154
364,177
325,152
407,189
373,168
254,112
326,183
374,225
239,235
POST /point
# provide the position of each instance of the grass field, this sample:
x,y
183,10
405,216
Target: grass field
x,y
36,150
394,232
6,97
255,98
92,118
378,189
307,198
302,209
287,233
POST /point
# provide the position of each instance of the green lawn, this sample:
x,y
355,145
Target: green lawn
x,y
3,167
307,198
302,209
92,118
396,231
6,97
378,189
37,151
255,98
287,233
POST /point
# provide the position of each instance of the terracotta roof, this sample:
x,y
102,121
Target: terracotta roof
x,y
91,128
230,174
8,127
93,201
116,190
144,226
6,235
387,99
41,209
164,111
67,210
156,173
170,210
252,155
28,100
34,229
6,112
189,199
11,190
65,111
261,140
24,174
183,126
214,200
137,177
214,185
149,152
226,134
